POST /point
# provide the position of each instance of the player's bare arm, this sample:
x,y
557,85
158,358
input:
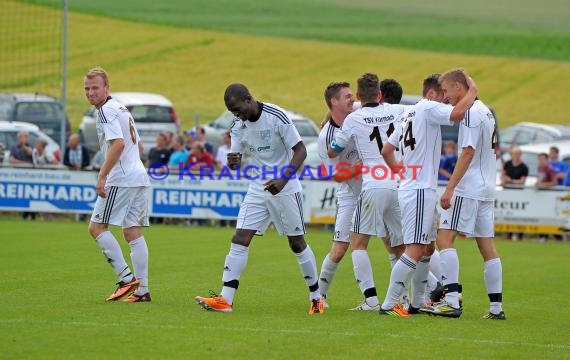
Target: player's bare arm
x,y
388,151
460,169
299,155
464,104
116,147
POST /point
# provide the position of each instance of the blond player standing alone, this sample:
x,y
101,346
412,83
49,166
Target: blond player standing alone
x,y
123,189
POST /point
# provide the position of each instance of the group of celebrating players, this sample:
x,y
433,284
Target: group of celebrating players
x,y
378,134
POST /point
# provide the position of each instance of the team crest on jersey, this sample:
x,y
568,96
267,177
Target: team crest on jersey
x,y
265,135
352,155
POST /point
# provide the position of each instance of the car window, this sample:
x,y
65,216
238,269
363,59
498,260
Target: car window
x,y
305,128
5,109
38,112
508,135
224,121
542,137
524,137
151,113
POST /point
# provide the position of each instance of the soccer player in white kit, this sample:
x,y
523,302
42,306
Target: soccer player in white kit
x,y
377,212
339,99
277,153
123,189
468,201
419,139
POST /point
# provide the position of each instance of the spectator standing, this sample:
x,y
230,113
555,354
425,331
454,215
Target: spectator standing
x,y
76,156
514,175
42,157
515,170
559,166
448,160
161,152
21,152
223,150
201,139
179,154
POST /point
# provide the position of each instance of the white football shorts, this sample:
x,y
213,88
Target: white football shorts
x,y
344,212
123,206
418,212
469,216
378,213
285,211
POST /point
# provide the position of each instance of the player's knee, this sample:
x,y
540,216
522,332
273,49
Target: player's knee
x,y
242,237
337,252
297,243
397,250
96,229
430,248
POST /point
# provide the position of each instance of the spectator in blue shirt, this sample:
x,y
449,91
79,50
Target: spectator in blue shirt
x,y
558,166
179,154
448,160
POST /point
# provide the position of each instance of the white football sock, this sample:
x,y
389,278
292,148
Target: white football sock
x,y
139,257
450,274
328,271
308,264
114,255
236,261
493,275
400,276
364,277
435,265
419,282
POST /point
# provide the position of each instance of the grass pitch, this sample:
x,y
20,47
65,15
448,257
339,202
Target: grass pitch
x,y
54,282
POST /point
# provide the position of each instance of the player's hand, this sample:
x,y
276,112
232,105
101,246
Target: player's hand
x,y
446,199
100,188
275,186
470,83
234,160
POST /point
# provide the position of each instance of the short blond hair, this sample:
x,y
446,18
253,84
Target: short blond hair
x,y
98,71
454,75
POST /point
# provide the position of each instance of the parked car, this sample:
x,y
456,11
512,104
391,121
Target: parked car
x,y
43,110
530,157
215,130
9,136
152,113
532,133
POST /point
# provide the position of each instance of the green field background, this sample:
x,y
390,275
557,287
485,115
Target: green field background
x,y
192,67
55,279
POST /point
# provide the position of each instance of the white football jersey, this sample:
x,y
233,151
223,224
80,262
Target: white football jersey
x,y
347,158
114,121
419,141
477,130
270,140
369,128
